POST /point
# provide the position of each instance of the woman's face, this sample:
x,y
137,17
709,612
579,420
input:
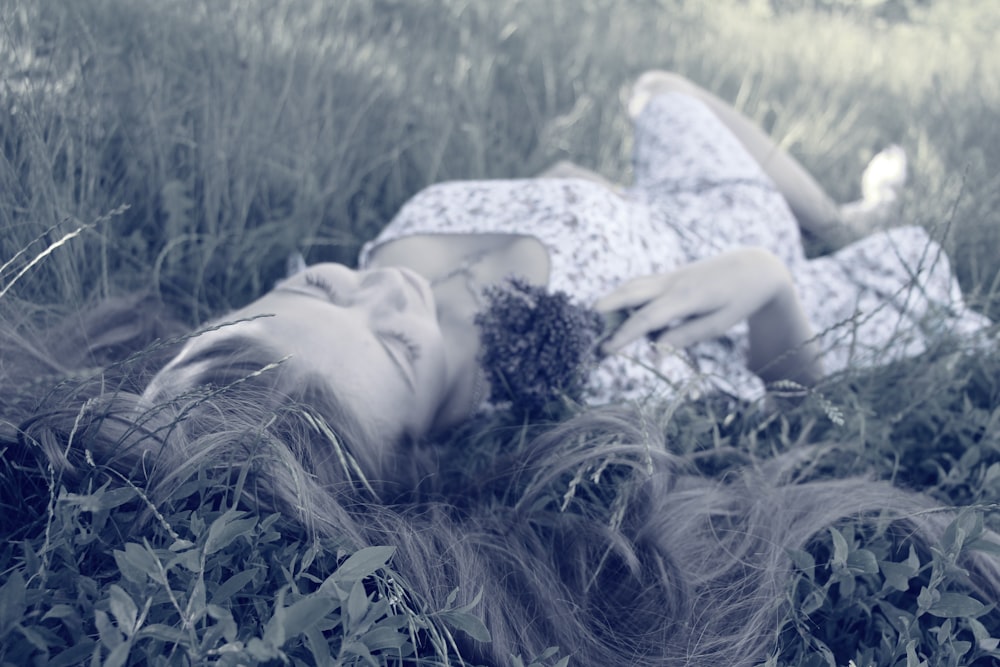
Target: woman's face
x,y
372,336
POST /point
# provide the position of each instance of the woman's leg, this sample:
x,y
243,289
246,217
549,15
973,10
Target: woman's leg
x,y
816,213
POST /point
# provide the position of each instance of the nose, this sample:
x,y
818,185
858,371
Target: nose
x,y
383,290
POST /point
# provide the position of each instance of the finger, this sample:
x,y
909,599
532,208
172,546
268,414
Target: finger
x,y
697,329
656,315
633,293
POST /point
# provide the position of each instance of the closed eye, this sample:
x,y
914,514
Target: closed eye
x,y
321,284
403,352
410,348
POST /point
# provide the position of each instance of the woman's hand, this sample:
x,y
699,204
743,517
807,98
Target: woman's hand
x,y
699,301
704,299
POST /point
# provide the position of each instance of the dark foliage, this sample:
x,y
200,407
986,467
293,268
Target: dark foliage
x,y
538,347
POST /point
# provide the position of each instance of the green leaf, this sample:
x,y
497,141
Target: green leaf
x,y
303,614
984,640
988,644
318,647
968,525
450,600
384,638
233,585
196,603
227,528
197,525
840,549
31,561
956,605
961,647
468,623
101,499
123,609
925,598
74,655
314,550
360,564
181,545
392,621
34,637
355,647
137,562
813,601
274,630
911,655
357,604
847,581
61,612
224,618
900,620
12,602
164,633
862,561
897,575
944,631
110,636
804,561
118,655
190,560
550,652
992,474
912,559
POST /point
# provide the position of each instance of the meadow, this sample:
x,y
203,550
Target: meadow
x,y
187,147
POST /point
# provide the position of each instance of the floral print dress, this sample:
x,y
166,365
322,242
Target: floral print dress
x,y
696,193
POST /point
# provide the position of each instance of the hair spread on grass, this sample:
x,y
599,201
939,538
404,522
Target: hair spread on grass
x,y
591,536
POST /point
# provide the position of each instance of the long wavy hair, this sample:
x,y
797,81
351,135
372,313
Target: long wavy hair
x,y
590,535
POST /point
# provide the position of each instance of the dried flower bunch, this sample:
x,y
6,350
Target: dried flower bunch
x,y
538,347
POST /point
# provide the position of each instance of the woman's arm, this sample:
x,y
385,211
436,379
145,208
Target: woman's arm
x,y
706,298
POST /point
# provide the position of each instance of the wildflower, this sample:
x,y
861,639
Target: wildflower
x,y
538,347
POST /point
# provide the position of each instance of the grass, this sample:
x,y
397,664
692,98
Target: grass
x,y
188,146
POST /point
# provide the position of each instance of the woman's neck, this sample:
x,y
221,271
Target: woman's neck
x,y
456,316
459,268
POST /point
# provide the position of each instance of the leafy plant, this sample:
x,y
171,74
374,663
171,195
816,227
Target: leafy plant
x,y
235,591
861,595
223,134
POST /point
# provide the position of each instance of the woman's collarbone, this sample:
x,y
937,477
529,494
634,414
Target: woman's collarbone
x,y
491,257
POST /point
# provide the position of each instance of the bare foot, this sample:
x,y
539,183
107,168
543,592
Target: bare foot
x,y
881,186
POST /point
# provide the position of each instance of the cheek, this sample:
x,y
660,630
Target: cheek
x,y
434,358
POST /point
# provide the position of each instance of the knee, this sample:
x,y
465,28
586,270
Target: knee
x,y
653,83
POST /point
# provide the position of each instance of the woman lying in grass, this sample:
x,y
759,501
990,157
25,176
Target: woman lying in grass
x,y
702,253
322,395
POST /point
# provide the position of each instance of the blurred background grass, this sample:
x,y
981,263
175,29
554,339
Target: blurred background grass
x,y
236,131
194,143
